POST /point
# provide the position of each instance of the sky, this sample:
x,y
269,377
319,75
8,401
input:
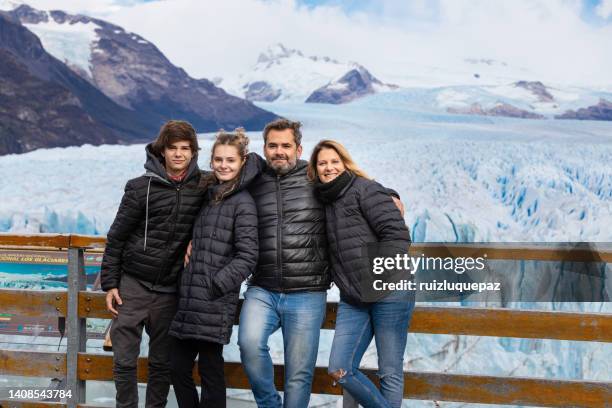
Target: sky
x,y
567,41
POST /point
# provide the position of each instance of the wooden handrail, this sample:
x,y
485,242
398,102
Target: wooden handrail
x,y
38,240
33,303
32,363
418,385
474,321
457,320
28,404
507,251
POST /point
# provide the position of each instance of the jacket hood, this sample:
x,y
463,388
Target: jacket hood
x,y
154,166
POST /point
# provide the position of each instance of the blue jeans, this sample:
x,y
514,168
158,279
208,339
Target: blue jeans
x,y
387,321
300,316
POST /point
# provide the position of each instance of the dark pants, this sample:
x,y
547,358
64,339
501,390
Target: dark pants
x,y
154,311
210,367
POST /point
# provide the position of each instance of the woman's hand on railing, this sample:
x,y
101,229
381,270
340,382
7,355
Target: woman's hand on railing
x,y
112,298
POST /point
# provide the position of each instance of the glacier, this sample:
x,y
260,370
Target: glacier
x,y
461,178
70,43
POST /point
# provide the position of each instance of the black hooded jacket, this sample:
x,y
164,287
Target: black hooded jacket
x,y
361,213
292,239
224,254
152,228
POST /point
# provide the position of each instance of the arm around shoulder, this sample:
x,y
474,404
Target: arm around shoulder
x,y
382,214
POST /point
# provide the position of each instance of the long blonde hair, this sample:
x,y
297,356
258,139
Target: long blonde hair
x,y
346,158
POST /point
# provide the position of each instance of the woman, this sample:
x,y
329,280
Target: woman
x,y
224,254
359,211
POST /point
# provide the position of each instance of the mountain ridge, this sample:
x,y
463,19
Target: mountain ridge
x,y
45,104
135,74
287,74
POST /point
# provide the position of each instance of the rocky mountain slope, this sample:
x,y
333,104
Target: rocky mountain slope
x,y
43,103
599,111
135,74
354,84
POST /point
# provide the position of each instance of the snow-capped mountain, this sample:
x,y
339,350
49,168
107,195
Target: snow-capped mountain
x,y
135,74
43,103
286,74
356,83
458,72
519,99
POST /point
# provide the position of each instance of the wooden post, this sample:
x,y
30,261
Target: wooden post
x,y
76,327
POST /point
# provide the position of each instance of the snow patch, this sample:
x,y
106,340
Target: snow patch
x,y
71,43
295,74
8,5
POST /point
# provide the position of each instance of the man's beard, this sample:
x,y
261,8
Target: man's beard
x,y
285,167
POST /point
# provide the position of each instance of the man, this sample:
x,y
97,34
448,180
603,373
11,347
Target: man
x,y
144,257
288,289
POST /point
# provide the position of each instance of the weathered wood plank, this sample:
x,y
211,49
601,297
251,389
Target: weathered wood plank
x,y
510,251
458,320
418,385
33,303
512,323
93,305
30,404
87,241
507,390
35,240
32,363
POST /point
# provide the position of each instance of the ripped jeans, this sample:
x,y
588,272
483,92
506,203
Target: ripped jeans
x,y
387,321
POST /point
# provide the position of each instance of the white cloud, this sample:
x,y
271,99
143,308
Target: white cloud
x,y
604,9
98,7
212,38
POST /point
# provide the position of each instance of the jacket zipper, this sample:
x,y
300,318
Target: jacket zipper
x,y
171,236
279,248
213,236
336,229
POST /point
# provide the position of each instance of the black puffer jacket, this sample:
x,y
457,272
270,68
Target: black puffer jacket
x,y
152,227
224,254
362,213
292,240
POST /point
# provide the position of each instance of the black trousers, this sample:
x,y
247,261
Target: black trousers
x,y
210,368
154,311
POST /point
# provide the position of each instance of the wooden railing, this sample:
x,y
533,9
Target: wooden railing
x,y
77,366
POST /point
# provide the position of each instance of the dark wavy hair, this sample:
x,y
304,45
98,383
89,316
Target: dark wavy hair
x,y
282,124
175,131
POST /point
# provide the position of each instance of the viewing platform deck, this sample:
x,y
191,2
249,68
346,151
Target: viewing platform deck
x,y
75,365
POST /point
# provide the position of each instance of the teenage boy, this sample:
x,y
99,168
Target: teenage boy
x,y
144,257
